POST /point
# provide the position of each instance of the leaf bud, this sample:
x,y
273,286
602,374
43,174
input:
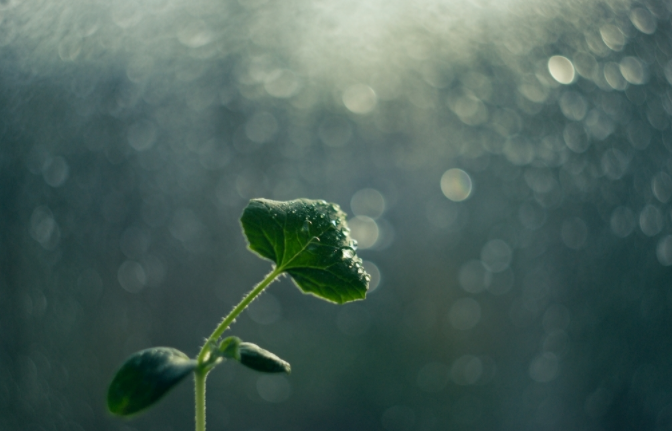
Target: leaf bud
x,y
253,356
229,347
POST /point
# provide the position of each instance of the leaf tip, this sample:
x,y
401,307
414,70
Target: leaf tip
x,y
258,359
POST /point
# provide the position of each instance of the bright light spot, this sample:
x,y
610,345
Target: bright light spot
x,y
613,37
633,70
456,185
360,99
561,69
643,20
614,77
364,230
368,202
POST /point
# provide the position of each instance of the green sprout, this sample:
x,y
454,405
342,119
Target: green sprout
x,y
307,239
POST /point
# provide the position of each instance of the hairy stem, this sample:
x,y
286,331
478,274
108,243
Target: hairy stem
x,y
204,355
199,379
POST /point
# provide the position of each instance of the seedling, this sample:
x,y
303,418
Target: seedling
x,y
310,241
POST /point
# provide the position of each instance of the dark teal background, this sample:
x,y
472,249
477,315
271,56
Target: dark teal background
x,y
132,135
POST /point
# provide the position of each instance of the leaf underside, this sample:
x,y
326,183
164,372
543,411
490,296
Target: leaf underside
x,y
145,378
309,240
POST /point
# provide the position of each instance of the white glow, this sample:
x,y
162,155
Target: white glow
x,y
561,69
456,185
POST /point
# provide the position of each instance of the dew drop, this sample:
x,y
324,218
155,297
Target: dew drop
x,y
306,226
348,253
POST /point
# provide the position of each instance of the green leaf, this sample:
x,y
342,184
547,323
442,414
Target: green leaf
x,y
253,356
145,378
309,240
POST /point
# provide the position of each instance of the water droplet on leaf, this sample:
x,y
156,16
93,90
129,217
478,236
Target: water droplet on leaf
x,y
306,226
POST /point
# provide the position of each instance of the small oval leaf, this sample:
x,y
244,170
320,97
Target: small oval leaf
x,y
309,240
253,356
145,378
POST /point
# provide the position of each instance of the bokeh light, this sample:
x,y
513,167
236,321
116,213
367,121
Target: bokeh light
x,y
373,270
364,230
561,69
456,184
360,99
368,203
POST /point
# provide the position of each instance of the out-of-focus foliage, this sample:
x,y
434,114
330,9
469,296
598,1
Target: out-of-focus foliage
x,y
146,377
505,165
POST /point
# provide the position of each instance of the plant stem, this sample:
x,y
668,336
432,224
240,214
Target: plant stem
x,y
203,356
199,380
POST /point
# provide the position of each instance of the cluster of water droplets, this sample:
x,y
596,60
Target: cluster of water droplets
x,y
327,222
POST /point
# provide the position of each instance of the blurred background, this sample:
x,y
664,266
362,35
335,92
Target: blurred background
x,y
506,167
